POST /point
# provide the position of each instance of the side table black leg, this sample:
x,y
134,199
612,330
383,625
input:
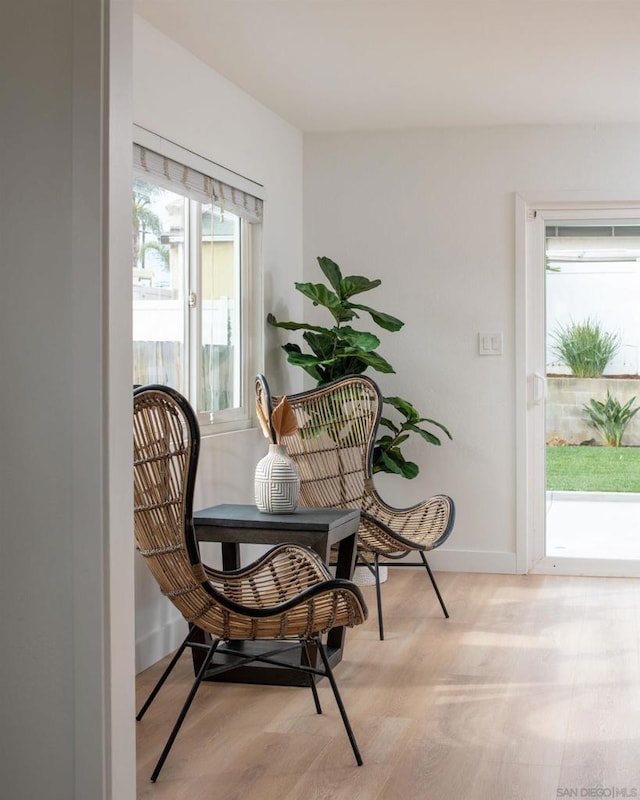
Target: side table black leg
x,y
230,556
344,569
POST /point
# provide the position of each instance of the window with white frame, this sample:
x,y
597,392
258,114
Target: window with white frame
x,y
195,244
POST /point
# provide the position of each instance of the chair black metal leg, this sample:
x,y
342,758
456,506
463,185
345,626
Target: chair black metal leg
x,y
360,561
185,709
306,659
164,675
435,585
336,694
376,561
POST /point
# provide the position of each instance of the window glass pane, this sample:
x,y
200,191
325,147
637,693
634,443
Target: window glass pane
x,y
159,225
220,311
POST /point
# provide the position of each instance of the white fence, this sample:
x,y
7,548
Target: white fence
x,y
159,352
164,320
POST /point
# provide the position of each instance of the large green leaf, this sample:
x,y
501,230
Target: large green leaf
x,y
389,464
322,344
332,273
355,284
400,439
363,340
404,407
344,365
372,359
428,437
378,362
409,469
321,296
385,321
387,423
307,362
295,326
437,424
303,359
394,461
412,415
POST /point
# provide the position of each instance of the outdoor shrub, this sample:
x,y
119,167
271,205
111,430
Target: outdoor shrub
x,y
585,347
610,418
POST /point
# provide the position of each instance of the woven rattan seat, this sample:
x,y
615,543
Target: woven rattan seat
x,y
333,448
287,595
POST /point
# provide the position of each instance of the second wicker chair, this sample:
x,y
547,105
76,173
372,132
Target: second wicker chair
x,y
333,448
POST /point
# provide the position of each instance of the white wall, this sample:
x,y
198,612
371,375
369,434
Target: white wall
x,y
65,494
431,213
181,99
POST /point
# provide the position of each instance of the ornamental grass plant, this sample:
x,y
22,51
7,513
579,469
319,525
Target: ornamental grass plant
x,y
585,347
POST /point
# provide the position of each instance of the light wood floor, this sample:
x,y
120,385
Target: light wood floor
x,y
531,690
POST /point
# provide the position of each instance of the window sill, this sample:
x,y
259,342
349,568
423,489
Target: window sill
x,y
232,426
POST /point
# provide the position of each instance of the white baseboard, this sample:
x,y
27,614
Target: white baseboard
x,y
158,643
491,561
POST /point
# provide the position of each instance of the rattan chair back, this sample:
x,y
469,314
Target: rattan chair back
x,y
166,443
333,446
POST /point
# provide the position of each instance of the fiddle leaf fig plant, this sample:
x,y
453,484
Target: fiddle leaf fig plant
x,y
342,350
339,350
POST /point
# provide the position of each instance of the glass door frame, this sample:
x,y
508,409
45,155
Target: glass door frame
x,y
531,216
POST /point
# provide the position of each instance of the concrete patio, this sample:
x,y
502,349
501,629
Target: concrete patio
x,y
593,525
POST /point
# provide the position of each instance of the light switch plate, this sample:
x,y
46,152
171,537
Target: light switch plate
x,y
490,343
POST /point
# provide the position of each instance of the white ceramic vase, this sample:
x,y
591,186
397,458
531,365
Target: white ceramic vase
x,y
277,482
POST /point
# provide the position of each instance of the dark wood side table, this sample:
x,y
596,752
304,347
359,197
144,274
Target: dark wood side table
x,y
317,528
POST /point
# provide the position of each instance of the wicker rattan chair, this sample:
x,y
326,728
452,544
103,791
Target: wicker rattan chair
x,y
333,448
287,595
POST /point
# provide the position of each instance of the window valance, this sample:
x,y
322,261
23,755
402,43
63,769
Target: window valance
x,y
185,179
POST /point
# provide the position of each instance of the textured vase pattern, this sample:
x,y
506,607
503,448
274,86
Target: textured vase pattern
x,y
277,482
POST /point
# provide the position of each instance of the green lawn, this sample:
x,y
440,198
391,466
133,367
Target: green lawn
x,y
593,469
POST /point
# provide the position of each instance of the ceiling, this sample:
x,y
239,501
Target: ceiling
x,y
387,64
